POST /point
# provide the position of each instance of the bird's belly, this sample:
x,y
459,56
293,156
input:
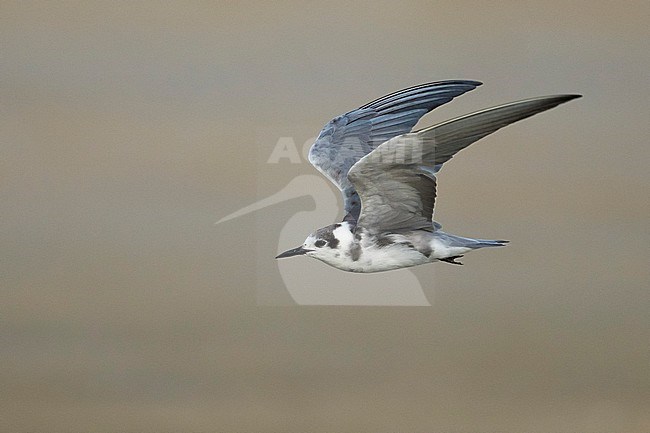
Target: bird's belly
x,y
386,259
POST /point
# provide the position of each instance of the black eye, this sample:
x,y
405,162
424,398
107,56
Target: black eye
x,y
319,243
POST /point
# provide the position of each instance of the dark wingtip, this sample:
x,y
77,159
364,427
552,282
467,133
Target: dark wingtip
x,y
456,81
561,99
570,96
473,83
544,103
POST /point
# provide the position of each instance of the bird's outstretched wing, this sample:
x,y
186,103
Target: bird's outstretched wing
x,y
349,137
396,182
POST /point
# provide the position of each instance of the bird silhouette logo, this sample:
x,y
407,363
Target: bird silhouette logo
x,y
312,283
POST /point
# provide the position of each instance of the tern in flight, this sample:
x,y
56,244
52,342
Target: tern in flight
x,y
387,176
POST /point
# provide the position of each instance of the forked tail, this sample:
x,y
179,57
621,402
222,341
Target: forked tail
x,y
482,243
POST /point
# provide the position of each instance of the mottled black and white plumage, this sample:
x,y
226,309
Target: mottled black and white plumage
x,y
387,177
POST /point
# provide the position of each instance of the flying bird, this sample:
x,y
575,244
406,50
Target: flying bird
x,y
387,176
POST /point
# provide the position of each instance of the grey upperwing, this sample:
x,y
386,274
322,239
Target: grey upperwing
x,y
398,193
349,137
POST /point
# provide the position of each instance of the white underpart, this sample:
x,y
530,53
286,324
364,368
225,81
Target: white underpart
x,y
374,259
365,255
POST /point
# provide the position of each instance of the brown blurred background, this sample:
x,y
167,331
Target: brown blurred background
x,y
128,128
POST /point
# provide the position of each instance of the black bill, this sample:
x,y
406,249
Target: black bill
x,y
293,252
